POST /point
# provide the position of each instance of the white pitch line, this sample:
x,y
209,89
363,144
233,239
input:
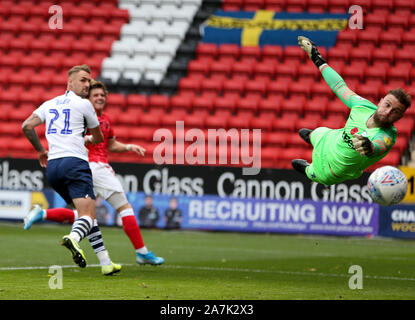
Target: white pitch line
x,y
292,273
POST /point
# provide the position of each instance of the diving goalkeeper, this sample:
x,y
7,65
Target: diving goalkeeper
x,y
368,136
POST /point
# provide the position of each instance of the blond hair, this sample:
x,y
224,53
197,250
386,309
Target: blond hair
x,y
76,69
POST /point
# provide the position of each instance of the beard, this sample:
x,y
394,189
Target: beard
x,y
381,122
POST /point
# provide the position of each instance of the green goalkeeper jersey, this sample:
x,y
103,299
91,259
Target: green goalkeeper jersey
x,y
334,157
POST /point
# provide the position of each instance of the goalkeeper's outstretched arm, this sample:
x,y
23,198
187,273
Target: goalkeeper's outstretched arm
x,y
333,79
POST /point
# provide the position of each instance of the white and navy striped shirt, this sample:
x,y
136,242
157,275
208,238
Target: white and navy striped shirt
x,y
66,118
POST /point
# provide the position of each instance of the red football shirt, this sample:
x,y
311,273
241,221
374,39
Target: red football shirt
x,y
99,151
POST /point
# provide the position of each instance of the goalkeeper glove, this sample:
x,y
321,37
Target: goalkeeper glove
x,y
363,145
308,46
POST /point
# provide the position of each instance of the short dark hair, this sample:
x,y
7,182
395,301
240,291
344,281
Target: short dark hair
x,y
403,97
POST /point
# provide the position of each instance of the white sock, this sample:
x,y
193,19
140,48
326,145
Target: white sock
x,y
142,250
75,236
104,258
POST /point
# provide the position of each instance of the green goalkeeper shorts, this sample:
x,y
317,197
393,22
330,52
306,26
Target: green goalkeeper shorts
x,y
319,170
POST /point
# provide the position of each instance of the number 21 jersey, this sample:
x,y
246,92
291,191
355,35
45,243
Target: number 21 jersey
x,y
66,118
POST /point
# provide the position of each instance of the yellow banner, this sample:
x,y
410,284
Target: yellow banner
x,y
410,175
282,24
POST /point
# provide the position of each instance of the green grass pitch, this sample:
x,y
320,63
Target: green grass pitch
x,y
207,266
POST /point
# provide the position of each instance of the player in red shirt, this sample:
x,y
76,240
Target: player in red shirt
x,y
107,186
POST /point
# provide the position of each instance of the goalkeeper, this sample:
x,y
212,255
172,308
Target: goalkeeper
x,y
368,136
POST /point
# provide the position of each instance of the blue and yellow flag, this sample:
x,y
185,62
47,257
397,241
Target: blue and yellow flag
x,y
262,27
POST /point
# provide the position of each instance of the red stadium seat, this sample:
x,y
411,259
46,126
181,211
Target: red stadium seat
x,y
382,4
285,123
398,73
130,117
189,84
206,50
229,51
321,89
316,105
375,73
170,119
180,102
265,68
353,71
308,71
272,52
252,5
370,92
383,56
393,37
225,103
235,85
401,143
249,104
277,138
159,101
239,122
202,103
405,127
116,100
244,68
31,62
294,104
264,123
288,70
137,101
404,55
278,88
213,121
334,121
398,21
294,53
221,67
151,118
347,36
194,121
32,97
362,53
310,121
141,133
11,129
317,4
404,5
337,107
257,88
212,85
376,20
393,158
300,88
250,52
201,67
338,53
268,158
271,105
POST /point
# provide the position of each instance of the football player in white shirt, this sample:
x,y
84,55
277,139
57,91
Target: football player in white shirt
x,y
67,169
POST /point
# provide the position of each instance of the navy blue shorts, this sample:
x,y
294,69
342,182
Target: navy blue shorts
x,y
71,177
